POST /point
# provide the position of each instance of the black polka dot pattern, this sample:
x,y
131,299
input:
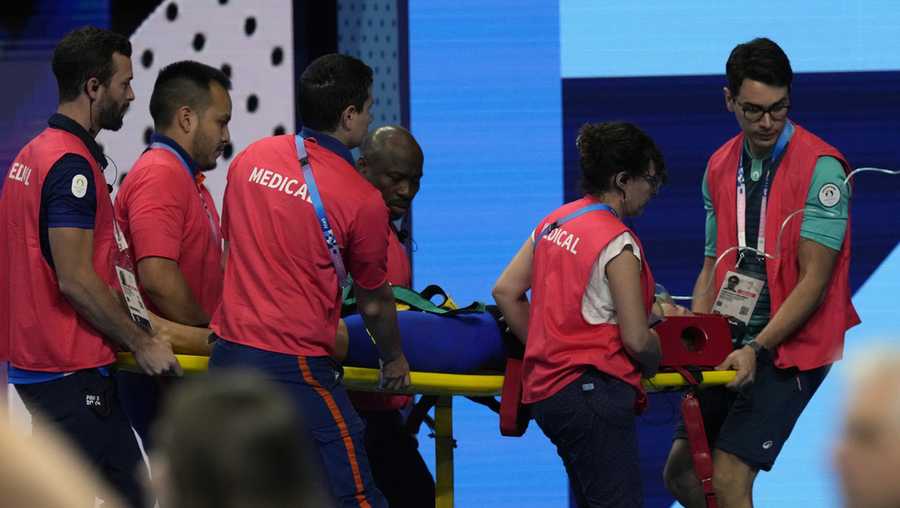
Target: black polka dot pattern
x,y
226,70
278,131
147,58
172,11
250,26
277,56
252,103
199,41
228,151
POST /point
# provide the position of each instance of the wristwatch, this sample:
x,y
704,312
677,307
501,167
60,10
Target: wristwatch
x,y
755,346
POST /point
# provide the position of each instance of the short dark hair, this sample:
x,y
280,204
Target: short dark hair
x,y
760,60
86,53
234,439
612,147
184,83
330,85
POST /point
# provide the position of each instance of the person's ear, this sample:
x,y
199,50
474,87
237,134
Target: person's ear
x,y
729,100
91,88
347,117
185,119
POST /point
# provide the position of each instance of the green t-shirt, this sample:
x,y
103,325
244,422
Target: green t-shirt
x,y
824,221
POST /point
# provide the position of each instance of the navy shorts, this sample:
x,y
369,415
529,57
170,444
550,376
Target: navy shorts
x,y
753,424
314,384
591,421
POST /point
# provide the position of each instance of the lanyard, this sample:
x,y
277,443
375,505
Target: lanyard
x,y
331,244
212,221
780,145
577,213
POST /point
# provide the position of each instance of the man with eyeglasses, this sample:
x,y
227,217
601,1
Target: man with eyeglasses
x,y
778,216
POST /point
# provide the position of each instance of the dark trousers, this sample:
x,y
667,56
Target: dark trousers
x,y
400,471
591,421
314,384
84,406
141,397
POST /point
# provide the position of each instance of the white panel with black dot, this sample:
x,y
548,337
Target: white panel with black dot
x,y
368,30
250,41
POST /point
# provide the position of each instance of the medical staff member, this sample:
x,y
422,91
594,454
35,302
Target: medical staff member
x,y
586,330
391,160
298,221
774,189
58,283
168,216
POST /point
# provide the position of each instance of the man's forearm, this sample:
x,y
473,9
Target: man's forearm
x,y
796,310
380,316
93,301
385,331
704,295
168,290
178,307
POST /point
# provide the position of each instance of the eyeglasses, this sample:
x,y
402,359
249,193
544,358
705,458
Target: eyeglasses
x,y
754,113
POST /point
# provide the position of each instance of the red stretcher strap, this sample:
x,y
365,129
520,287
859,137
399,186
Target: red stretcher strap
x,y
514,415
703,464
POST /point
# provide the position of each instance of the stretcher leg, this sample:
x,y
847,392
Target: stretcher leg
x,y
444,445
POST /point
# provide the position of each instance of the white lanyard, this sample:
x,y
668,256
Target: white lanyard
x,y
780,145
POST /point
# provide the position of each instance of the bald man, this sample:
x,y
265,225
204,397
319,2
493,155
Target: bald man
x,y
868,452
391,159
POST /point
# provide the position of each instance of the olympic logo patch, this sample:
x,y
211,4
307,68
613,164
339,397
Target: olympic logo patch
x,y
79,186
829,195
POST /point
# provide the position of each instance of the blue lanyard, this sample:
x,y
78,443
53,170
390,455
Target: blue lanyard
x,y
187,167
334,251
184,164
548,228
741,204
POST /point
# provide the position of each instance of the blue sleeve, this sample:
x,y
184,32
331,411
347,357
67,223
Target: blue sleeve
x,y
69,195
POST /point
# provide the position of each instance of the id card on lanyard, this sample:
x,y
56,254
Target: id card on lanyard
x,y
128,282
740,291
213,227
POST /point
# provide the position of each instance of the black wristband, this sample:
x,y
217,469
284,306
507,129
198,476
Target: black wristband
x,y
755,346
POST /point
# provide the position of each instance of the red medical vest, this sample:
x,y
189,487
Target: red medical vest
x,y
561,343
45,333
820,341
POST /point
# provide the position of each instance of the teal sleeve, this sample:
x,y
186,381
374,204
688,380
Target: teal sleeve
x,y
827,205
710,246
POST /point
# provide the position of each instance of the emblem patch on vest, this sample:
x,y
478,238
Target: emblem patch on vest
x,y
829,195
79,186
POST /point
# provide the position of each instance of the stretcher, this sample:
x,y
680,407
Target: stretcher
x,y
687,343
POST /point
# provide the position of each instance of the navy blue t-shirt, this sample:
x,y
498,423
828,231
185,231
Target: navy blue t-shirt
x,y
69,194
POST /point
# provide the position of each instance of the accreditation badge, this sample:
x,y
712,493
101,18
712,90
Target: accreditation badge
x,y
128,282
738,296
133,299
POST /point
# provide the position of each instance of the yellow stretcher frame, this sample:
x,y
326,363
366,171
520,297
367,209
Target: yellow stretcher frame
x,y
445,386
